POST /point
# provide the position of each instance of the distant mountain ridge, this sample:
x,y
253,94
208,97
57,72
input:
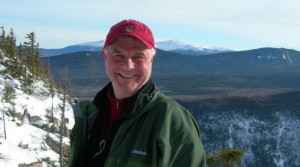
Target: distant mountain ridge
x,y
90,46
175,46
256,61
183,74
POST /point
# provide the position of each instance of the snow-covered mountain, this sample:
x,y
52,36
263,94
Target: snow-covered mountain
x,y
95,45
175,46
172,45
23,123
180,47
89,46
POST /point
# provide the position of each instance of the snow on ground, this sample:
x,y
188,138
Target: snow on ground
x,y
23,133
12,154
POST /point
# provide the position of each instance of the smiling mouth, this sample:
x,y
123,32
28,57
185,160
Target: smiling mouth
x,y
126,76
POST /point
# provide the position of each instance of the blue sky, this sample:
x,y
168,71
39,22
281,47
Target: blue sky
x,y
233,24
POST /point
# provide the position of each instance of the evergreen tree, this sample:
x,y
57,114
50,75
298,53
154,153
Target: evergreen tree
x,y
47,75
11,44
32,61
65,85
32,56
2,39
14,66
226,158
52,90
26,78
20,54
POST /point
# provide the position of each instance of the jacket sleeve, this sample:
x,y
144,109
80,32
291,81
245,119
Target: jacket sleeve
x,y
180,144
77,134
74,136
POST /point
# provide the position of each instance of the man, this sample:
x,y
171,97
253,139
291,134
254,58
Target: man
x,y
130,123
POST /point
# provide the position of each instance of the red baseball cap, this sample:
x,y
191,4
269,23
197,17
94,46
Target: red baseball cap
x,y
133,28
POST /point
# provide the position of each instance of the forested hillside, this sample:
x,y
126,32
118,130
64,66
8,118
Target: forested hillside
x,y
36,114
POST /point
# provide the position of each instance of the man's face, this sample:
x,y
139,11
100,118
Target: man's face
x,y
128,65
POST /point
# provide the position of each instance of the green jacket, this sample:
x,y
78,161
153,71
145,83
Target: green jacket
x,y
159,133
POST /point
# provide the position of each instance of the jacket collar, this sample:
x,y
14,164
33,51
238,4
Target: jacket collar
x,y
134,102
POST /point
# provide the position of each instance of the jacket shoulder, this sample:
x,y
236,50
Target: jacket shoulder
x,y
84,109
174,113
167,101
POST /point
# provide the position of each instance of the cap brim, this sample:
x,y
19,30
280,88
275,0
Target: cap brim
x,y
146,43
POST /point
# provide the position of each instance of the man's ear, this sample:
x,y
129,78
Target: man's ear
x,y
104,54
152,58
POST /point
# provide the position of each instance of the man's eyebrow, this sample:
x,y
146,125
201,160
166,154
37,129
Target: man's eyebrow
x,y
140,54
116,51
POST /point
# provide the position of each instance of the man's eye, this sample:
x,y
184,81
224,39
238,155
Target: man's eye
x,y
139,58
118,57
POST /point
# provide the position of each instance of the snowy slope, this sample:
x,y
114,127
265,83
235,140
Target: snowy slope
x,y
22,132
12,154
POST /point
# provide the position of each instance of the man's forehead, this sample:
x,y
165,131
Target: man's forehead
x,y
137,50
116,49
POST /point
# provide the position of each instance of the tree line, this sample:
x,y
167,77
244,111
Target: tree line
x,y
24,61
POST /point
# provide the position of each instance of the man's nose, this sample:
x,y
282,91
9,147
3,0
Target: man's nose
x,y
128,64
